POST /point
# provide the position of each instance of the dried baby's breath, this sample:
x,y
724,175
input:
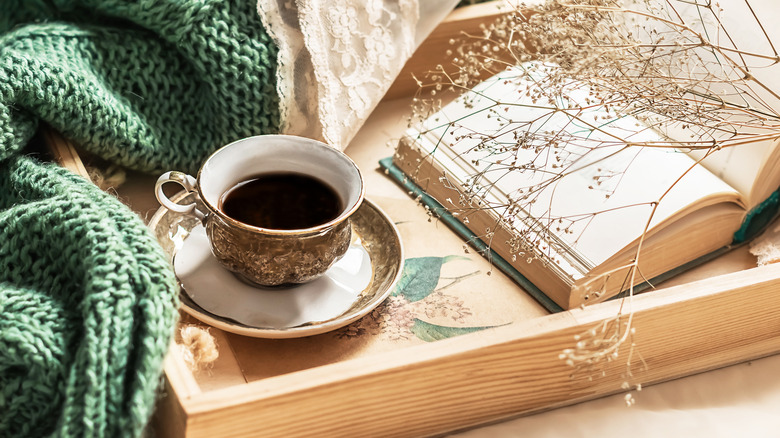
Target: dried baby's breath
x,y
668,68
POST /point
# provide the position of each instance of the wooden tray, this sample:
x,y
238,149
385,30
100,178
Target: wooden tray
x,y
720,314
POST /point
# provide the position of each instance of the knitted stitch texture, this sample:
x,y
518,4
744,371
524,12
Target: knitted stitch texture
x,y
87,307
153,85
87,300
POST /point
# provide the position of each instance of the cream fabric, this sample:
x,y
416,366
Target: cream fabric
x,y
337,58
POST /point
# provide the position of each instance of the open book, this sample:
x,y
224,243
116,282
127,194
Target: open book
x,y
570,200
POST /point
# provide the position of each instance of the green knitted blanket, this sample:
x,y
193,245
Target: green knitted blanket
x,y
87,299
87,303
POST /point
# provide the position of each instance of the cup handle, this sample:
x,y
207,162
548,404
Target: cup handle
x,y
189,183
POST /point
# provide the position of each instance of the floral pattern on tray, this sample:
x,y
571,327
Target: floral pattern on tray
x,y
418,297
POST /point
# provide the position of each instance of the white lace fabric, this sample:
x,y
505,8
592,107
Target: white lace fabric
x,y
337,58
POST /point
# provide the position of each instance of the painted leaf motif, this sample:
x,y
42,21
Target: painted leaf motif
x,y
420,276
432,332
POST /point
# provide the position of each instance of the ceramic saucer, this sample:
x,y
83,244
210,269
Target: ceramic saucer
x,y
350,289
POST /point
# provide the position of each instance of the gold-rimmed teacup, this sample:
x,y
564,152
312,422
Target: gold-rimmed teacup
x,y
266,256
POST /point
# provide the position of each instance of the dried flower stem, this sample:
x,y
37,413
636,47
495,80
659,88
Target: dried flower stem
x,y
672,65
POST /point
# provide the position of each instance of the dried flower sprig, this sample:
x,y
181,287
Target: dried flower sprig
x,y
675,66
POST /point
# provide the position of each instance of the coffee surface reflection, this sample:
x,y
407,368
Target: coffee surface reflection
x,y
282,201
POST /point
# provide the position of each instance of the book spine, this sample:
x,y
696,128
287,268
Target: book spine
x,y
759,218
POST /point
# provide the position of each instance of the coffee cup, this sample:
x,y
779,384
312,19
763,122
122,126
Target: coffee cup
x,y
276,208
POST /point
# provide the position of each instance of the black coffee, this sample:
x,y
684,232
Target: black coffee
x,y
282,201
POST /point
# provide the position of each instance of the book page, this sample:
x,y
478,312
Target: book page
x,y
745,34
566,179
737,81
739,165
